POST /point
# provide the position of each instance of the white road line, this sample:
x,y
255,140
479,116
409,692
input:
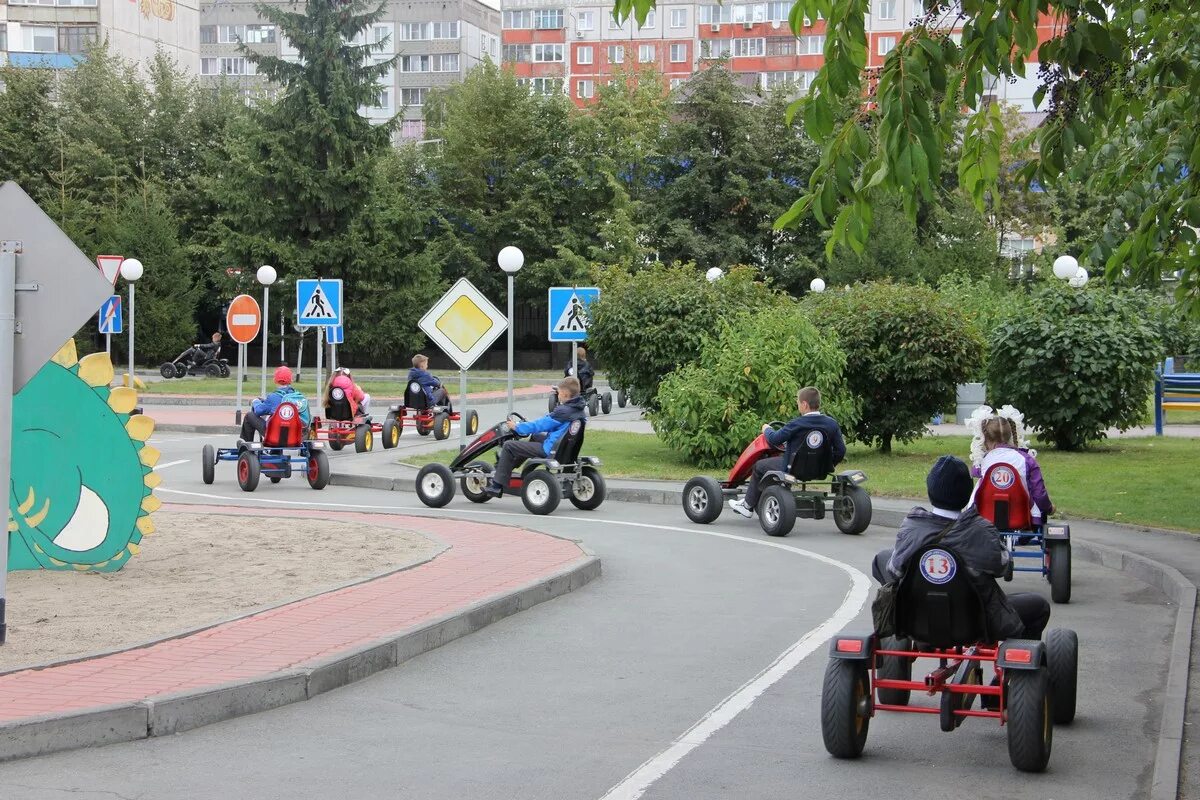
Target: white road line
x,y
171,464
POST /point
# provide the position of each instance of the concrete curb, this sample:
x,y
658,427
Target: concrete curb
x,y
164,715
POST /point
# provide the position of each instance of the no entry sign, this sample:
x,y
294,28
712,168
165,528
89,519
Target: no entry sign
x,y
244,319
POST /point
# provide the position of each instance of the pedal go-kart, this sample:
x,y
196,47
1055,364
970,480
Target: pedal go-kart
x,y
1044,547
790,494
418,413
282,453
340,426
542,482
196,360
596,400
939,616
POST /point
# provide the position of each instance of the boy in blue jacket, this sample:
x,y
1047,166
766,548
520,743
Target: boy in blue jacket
x,y
435,393
570,408
261,410
808,401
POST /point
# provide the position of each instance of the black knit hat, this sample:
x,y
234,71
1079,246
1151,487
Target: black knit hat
x,y
949,484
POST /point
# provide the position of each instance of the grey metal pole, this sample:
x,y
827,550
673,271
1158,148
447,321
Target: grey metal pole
x,y
266,328
131,372
108,345
320,359
8,333
462,410
282,338
237,417
510,343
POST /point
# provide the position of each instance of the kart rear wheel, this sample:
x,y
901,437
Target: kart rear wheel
x,y
212,369
1059,555
441,426
703,499
180,371
364,439
435,485
1062,659
208,463
224,370
472,485
167,370
553,401
424,428
606,402
852,510
777,511
593,406
588,490
318,469
248,470
541,492
276,478
391,433
897,668
1030,728
335,440
845,707
952,701
472,418
622,398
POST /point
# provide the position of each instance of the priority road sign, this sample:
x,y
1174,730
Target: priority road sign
x,y
110,267
335,335
568,312
243,319
112,320
318,302
463,323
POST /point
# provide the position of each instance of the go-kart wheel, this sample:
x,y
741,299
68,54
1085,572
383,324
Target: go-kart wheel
x,y
424,428
473,484
593,406
703,499
167,370
1062,659
208,463
318,469
541,492
472,422
777,511
180,371
553,401
441,425
435,485
391,433
335,440
606,402
248,470
1059,555
897,668
622,398
845,707
276,478
952,701
364,439
588,490
1030,720
212,369
852,510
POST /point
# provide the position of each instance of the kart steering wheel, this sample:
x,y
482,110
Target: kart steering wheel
x,y
776,424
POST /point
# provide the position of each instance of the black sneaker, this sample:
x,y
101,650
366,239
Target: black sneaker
x,y
493,489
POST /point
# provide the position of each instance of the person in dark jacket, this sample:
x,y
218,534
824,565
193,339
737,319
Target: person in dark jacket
x,y
544,432
808,401
586,373
435,392
975,540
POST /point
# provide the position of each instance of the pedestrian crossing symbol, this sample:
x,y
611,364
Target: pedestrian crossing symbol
x,y
568,312
319,302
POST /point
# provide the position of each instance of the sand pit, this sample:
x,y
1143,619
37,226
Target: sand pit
x,y
197,569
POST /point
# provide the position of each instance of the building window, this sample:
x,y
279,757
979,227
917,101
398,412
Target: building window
x,y
208,66
4,38
678,53
517,54
887,9
810,45
208,34
231,34
518,19
414,63
676,83
651,21
37,39
546,86
583,55
778,12
678,17
545,19
614,25
586,21
413,97
32,2
781,46
445,30
260,34
714,48
446,62
886,44
544,53
616,54
75,38
749,47
237,65
750,13
586,89
645,53
715,15
76,2
413,31
383,98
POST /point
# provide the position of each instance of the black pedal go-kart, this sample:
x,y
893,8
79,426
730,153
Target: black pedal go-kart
x,y
196,360
542,482
596,400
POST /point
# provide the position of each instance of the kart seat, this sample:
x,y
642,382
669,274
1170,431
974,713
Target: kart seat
x,y
339,406
937,604
284,428
814,457
415,398
567,451
1003,499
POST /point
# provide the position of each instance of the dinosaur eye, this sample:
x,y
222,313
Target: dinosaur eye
x,y
88,526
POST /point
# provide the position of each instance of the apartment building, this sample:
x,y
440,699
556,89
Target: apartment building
x,y
55,33
436,42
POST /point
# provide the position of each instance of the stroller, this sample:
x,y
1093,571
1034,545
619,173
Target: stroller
x,y
199,359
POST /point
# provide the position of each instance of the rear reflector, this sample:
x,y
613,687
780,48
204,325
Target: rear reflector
x,y
849,645
1018,656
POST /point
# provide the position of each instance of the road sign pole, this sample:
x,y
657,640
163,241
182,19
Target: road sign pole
x,y
320,359
237,416
510,344
108,345
131,372
265,329
462,410
8,333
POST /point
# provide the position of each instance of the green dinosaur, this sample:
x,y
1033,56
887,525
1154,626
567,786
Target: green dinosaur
x,y
82,473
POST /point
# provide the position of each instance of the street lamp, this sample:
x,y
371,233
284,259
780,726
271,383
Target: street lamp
x,y
511,259
1079,279
131,270
266,276
1065,267
714,274
817,285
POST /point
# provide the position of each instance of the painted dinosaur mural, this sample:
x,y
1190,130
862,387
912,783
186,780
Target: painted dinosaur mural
x,y
82,473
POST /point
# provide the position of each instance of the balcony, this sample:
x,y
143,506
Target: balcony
x,y
45,60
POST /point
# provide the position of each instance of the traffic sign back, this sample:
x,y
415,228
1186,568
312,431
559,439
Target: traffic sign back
x,y
568,312
318,302
112,317
243,319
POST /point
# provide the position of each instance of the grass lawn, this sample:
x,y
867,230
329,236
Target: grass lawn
x,y
227,387
1152,482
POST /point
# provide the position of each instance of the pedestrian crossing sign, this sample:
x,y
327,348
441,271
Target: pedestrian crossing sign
x,y
568,312
318,302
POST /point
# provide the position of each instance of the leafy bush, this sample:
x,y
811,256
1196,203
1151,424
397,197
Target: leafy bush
x,y
1077,362
906,351
986,302
647,323
747,375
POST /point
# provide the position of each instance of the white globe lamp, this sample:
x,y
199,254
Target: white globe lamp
x,y
714,274
1079,279
817,285
511,259
132,269
267,275
1065,267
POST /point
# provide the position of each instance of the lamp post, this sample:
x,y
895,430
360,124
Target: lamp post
x,y
511,259
131,270
266,276
817,285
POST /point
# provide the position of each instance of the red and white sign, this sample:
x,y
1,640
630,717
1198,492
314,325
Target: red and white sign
x,y
244,319
110,267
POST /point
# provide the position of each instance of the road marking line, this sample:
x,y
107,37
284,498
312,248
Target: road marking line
x,y
171,464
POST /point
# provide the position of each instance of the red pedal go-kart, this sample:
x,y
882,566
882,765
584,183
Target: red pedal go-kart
x,y
282,453
787,494
341,426
418,413
940,616
542,482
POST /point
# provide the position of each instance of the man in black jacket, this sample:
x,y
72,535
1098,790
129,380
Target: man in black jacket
x,y
808,401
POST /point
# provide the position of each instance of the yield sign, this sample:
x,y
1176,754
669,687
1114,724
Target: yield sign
x,y
243,319
110,267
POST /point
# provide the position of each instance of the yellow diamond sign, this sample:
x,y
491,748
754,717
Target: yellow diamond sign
x,y
463,323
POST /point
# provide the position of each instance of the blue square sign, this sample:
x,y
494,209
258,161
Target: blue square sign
x,y
112,317
335,334
568,312
318,302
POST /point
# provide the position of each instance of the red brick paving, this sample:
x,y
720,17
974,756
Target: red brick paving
x,y
482,562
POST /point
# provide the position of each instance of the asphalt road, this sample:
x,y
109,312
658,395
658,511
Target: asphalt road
x,y
698,653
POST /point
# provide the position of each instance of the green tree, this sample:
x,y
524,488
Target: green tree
x,y
28,123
